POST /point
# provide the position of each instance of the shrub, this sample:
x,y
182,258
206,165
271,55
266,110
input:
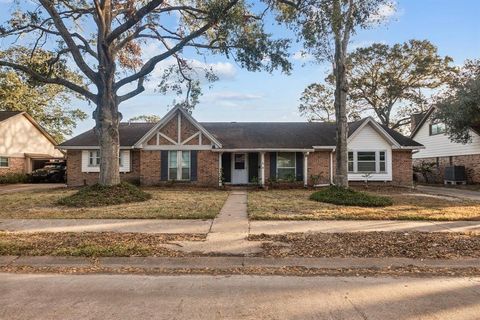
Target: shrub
x,y
98,195
350,197
11,177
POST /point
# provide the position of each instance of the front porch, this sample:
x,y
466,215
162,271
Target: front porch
x,y
249,167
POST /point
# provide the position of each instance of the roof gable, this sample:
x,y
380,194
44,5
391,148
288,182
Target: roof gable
x,y
175,116
8,115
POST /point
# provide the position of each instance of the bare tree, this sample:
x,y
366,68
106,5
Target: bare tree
x,y
104,39
326,26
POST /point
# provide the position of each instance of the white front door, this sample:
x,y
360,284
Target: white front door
x,y
239,168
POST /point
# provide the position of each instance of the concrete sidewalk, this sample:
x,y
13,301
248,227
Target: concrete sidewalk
x,y
231,262
106,225
451,192
339,226
232,222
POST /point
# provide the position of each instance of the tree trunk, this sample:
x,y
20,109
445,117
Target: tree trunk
x,y
341,152
107,120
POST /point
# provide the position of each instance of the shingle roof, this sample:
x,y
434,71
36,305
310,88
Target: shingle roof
x,y
248,135
130,133
4,115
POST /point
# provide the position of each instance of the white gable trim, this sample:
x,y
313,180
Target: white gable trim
x,y
167,118
378,128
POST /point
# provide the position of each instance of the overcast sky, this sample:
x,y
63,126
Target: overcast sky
x,y
239,95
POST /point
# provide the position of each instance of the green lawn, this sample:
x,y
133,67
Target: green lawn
x,y
407,205
165,204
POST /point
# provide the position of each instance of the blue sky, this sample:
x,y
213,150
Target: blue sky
x,y
452,25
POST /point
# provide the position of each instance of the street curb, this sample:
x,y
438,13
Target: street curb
x,y
233,262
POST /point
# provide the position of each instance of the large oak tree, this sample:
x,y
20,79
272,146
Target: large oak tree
x,y
103,39
326,28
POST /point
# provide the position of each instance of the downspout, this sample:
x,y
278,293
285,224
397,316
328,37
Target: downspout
x,y
331,168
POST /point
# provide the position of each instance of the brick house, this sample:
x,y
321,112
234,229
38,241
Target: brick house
x,y
443,152
24,144
180,149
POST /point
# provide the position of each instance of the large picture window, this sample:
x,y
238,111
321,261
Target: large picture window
x,y
286,165
367,161
179,165
4,162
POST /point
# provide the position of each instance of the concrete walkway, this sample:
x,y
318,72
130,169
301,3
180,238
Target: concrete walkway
x,y
12,188
106,225
229,230
339,226
451,192
192,297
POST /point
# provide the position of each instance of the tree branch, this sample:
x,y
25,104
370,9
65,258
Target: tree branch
x,y
60,81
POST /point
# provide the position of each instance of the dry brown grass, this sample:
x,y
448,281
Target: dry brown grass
x,y
407,205
165,204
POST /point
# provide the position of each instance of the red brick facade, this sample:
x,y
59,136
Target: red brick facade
x,y
402,168
75,176
471,163
15,165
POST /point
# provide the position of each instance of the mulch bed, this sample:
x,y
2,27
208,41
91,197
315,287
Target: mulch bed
x,y
92,244
416,245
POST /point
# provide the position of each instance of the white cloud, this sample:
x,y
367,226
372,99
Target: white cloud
x,y
231,96
385,12
302,56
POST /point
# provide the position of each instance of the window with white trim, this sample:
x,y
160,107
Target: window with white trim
x,y
367,161
4,162
94,158
437,128
179,165
286,165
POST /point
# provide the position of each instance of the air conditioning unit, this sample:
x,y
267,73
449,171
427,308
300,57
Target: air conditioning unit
x,y
455,175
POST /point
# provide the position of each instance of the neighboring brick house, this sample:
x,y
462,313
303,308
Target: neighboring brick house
x,y
24,144
178,148
443,152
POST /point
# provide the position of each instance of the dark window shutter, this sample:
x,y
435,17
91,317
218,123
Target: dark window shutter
x,y
299,163
273,165
193,165
164,165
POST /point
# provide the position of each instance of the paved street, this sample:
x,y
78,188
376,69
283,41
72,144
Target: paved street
x,y
236,297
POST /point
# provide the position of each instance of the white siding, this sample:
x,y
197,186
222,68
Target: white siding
x,y
124,154
368,139
440,145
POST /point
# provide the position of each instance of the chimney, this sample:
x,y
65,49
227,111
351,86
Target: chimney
x,y
415,120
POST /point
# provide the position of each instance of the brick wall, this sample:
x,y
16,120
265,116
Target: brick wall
x,y
207,168
471,163
319,164
15,165
402,168
75,176
150,167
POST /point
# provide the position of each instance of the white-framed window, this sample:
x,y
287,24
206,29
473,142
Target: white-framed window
x,y
94,158
4,162
179,165
367,161
286,165
437,128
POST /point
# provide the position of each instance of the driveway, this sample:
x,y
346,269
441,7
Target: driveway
x,y
53,296
12,188
451,192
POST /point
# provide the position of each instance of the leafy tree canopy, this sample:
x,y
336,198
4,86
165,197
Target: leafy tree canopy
x,y
390,81
48,104
151,118
459,107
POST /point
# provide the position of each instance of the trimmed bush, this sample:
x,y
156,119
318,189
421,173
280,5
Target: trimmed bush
x,y
98,195
350,197
11,177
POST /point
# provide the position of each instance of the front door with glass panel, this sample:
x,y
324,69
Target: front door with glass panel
x,y
239,168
